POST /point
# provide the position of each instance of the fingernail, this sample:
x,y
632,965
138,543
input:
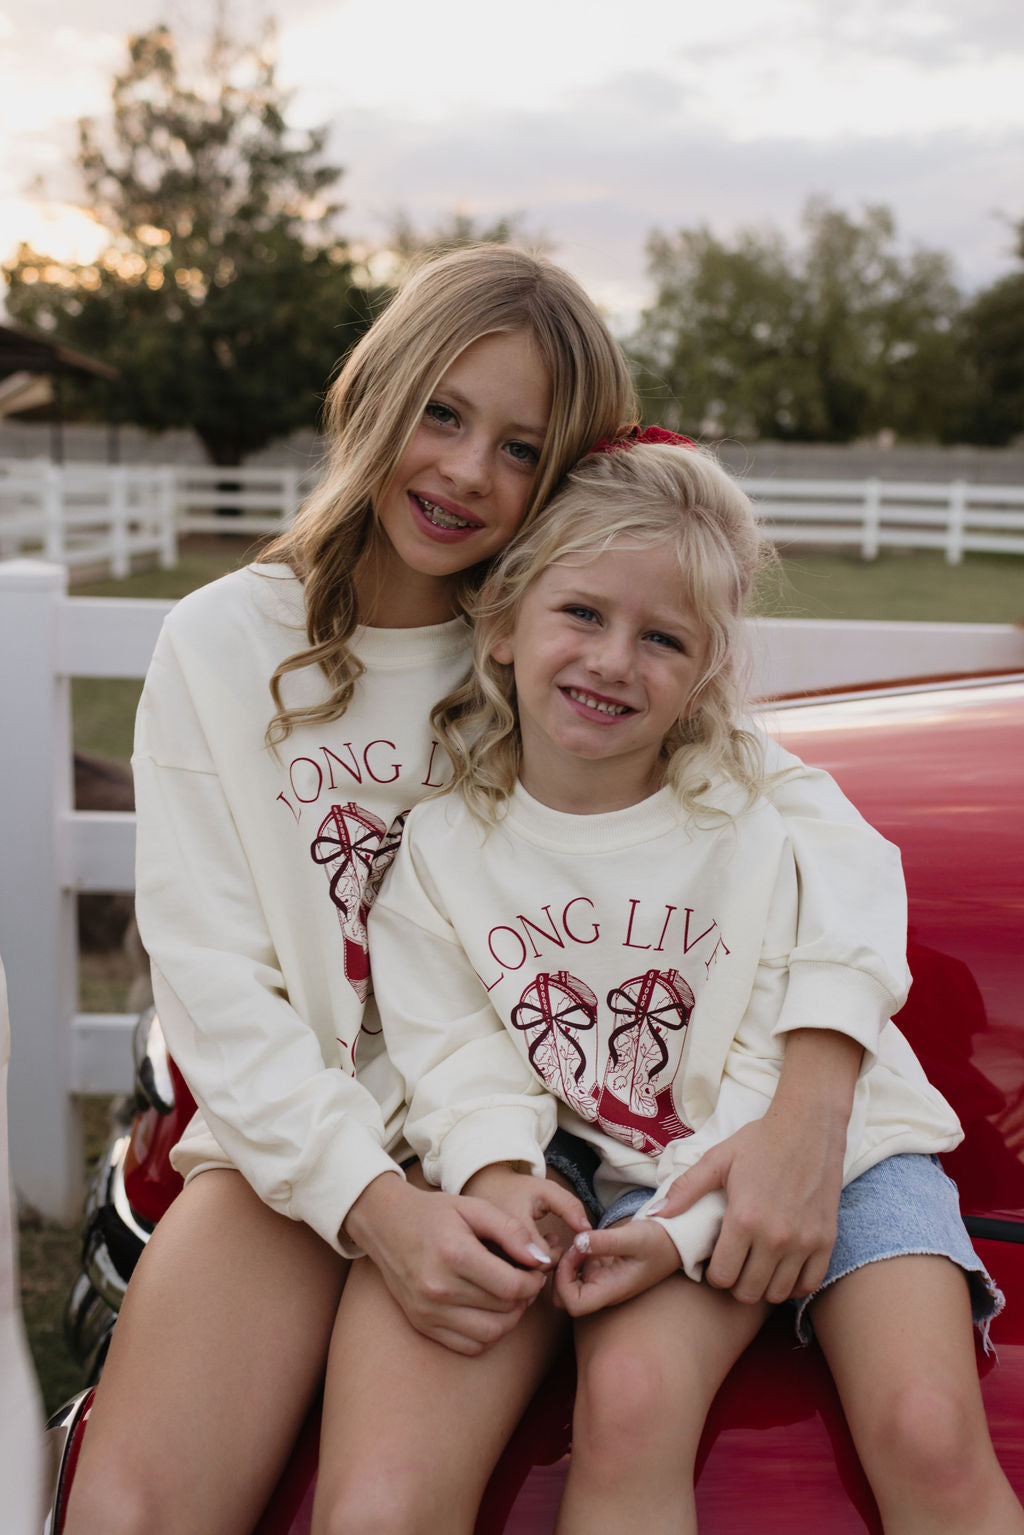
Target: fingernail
x,y
581,1241
538,1253
659,1204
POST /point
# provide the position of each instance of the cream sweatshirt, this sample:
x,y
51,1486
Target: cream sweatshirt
x,y
252,882
631,976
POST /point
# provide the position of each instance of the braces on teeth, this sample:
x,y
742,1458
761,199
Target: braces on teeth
x,y
442,518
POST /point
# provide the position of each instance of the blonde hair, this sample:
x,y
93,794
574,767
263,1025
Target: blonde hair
x,y
642,497
377,400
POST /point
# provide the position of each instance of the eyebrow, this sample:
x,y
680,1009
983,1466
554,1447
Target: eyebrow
x,y
521,428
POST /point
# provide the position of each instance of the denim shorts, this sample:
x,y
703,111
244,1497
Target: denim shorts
x,y
905,1205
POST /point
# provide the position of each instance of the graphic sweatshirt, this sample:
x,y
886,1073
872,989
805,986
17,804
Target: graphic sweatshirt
x,y
630,976
255,871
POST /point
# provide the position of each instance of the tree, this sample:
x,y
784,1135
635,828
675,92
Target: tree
x,y
406,244
843,337
993,329
223,295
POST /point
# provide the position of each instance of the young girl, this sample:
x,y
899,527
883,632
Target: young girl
x,y
284,725
598,933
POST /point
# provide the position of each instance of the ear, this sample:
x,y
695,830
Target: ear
x,y
503,652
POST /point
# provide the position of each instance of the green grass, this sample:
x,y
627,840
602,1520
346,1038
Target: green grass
x,y
49,1259
903,585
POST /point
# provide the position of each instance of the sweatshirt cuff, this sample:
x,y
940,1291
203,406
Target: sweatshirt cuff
x,y
839,998
331,1187
486,1136
695,1232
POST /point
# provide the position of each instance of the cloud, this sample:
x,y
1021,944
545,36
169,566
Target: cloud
x,y
595,129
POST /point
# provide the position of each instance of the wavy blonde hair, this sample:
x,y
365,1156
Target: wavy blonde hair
x,y
377,400
642,497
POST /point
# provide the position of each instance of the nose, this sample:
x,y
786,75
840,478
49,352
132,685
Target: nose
x,y
466,462
611,654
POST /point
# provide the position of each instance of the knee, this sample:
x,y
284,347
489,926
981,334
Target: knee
x,y
378,1505
626,1412
932,1442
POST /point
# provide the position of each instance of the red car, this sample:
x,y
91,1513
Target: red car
x,y
939,769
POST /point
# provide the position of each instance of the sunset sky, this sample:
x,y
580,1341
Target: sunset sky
x,y
594,127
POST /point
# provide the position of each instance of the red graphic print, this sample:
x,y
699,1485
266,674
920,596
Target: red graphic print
x,y
380,863
550,1013
346,845
633,1107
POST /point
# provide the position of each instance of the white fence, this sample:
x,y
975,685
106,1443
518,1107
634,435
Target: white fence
x,y
49,852
870,515
100,515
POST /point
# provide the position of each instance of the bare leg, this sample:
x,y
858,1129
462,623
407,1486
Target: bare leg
x,y
648,1371
898,1338
411,1430
217,1353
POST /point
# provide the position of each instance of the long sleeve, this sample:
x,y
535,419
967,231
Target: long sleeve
x,y
472,1099
848,968
255,871
308,1138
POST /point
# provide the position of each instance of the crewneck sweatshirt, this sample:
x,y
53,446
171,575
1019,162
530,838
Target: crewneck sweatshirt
x,y
630,976
255,869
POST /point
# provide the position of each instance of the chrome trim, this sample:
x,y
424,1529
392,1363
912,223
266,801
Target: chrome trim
x,y
88,1323
59,1431
154,1084
119,1199
110,1266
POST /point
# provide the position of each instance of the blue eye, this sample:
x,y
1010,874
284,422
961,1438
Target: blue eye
x,y
435,411
524,453
669,641
586,615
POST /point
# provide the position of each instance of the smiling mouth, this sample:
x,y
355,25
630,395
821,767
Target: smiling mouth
x,y
602,705
440,518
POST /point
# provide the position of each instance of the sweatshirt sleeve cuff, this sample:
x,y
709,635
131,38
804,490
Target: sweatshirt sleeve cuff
x,y
695,1232
509,1134
331,1188
839,998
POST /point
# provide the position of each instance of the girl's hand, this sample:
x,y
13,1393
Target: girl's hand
x,y
547,1209
430,1250
782,1181
782,1175
604,1268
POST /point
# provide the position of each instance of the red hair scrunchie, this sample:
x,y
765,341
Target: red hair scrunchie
x,y
633,435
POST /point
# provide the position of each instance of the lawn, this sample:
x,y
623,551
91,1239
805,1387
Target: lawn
x,y
912,585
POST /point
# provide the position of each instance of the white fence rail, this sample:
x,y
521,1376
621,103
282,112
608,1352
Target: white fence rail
x,y
49,852
871,515
103,515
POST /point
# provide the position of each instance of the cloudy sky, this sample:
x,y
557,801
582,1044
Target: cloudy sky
x,y
593,127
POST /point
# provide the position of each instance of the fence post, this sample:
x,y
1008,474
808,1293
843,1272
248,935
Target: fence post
x,y
872,518
120,559
37,915
166,518
955,527
290,496
54,536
